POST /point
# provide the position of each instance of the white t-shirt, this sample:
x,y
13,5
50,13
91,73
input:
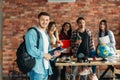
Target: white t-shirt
x,y
46,45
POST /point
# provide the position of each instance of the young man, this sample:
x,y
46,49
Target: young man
x,y
82,46
42,68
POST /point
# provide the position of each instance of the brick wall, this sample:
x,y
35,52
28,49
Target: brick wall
x,y
19,15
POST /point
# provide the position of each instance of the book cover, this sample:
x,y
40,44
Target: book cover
x,y
53,50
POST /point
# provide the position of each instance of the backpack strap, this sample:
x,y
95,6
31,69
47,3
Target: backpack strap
x,y
38,35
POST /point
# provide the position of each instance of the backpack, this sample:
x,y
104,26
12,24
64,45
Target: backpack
x,y
26,62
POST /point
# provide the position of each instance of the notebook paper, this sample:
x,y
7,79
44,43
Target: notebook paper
x,y
104,39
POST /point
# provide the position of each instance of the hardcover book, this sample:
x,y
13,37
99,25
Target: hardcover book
x,y
53,50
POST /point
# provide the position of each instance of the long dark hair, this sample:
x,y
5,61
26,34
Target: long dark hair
x,y
106,27
50,25
69,31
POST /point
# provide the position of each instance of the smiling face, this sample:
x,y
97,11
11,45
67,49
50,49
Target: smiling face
x,y
43,21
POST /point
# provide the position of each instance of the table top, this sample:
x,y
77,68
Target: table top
x,y
97,62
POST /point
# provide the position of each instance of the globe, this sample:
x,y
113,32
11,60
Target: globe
x,y
103,50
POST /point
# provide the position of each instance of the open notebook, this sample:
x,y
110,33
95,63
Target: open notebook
x,y
104,39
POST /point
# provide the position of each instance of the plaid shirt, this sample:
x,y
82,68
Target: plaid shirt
x,y
74,47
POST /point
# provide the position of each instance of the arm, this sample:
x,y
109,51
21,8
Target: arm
x,y
57,35
74,46
30,41
112,41
91,42
112,38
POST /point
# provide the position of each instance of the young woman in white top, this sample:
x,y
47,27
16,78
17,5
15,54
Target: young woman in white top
x,y
103,31
54,39
53,34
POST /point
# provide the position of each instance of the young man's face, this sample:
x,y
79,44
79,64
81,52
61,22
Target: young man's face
x,y
44,21
81,23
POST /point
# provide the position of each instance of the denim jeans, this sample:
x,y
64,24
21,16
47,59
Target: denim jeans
x,y
92,55
36,76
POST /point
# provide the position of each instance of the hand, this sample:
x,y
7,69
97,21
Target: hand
x,y
67,50
57,53
47,56
59,43
78,41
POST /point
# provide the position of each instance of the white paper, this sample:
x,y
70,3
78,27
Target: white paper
x,y
104,39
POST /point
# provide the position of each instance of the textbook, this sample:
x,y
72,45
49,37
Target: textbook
x,y
53,50
104,39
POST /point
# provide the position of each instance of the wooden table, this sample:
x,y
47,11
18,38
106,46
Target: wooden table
x,y
97,63
91,63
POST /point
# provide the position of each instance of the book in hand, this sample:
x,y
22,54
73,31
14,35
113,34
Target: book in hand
x,y
51,52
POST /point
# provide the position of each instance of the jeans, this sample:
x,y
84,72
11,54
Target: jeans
x,y
94,69
36,76
92,55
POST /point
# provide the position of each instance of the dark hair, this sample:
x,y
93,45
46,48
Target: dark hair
x,y
50,25
69,31
43,13
106,28
80,18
